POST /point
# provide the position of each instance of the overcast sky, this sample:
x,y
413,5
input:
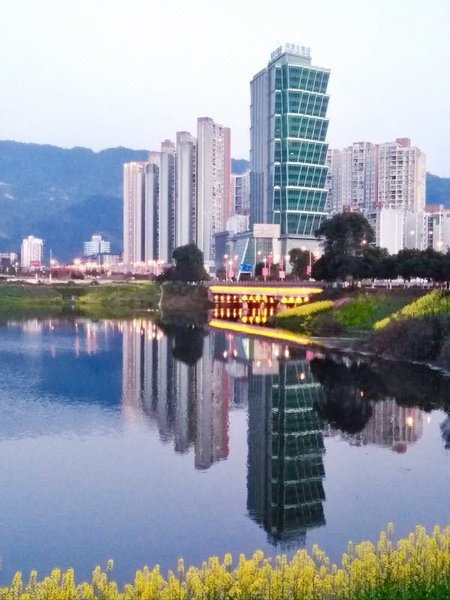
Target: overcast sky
x,y
102,73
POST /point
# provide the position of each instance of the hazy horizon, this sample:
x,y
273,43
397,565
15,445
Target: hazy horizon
x,y
101,74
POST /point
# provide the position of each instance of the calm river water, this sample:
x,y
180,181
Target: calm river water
x,y
120,440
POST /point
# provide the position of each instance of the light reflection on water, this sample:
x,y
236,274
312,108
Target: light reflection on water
x,y
119,441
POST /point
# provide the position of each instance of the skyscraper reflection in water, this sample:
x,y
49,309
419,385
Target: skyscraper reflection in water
x,y
188,401
285,468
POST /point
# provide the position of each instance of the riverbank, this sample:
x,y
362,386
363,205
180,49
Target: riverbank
x,y
402,326
415,567
106,300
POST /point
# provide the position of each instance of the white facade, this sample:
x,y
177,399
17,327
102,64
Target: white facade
x,y
186,189
438,227
32,252
96,246
133,212
237,224
389,229
240,193
213,185
367,177
401,176
166,211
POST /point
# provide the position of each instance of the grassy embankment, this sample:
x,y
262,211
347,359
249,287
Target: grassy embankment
x,y
414,568
395,325
123,299
347,314
418,331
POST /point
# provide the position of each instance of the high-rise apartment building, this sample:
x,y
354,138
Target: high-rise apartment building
x,y
401,176
166,204
240,193
134,213
31,252
287,145
367,177
180,195
186,192
213,185
384,182
96,246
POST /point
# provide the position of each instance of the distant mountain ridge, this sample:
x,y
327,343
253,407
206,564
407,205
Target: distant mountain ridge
x,y
66,195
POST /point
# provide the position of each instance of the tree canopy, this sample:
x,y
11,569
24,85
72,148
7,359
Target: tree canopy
x,y
189,264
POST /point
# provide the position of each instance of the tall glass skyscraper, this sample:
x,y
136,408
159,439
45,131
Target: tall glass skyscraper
x,y
288,150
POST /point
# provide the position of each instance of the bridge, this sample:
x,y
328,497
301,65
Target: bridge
x,y
255,303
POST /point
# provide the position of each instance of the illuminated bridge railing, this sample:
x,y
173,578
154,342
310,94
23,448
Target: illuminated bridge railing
x,y
255,304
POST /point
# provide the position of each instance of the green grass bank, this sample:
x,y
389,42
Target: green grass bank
x,y
108,300
345,313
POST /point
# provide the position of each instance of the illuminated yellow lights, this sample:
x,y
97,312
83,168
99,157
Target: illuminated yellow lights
x,y
410,421
263,290
276,334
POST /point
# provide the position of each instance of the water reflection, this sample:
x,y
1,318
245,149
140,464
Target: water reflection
x,y
131,384
189,401
285,468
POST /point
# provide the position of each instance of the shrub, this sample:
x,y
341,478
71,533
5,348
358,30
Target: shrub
x,y
444,354
436,302
326,325
299,317
411,339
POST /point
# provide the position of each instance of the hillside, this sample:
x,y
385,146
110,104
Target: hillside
x,y
63,196
66,195
438,190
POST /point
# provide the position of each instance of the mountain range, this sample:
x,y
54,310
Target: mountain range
x,y
66,195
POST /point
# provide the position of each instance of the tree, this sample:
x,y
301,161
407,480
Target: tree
x,y
189,264
345,237
346,234
299,260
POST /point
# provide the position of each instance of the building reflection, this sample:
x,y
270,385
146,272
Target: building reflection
x,y
189,403
393,426
285,465
285,470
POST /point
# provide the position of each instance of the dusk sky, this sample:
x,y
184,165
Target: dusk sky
x,y
103,73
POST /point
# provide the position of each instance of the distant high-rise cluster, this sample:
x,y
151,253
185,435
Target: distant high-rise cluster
x,y
31,252
367,177
384,182
178,196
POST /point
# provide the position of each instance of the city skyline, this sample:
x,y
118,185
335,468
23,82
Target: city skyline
x,y
88,89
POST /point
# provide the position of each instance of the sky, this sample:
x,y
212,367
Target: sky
x,y
104,73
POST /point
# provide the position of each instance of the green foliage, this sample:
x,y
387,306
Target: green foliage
x,y
436,302
412,339
415,567
299,318
189,265
299,260
27,296
362,311
118,299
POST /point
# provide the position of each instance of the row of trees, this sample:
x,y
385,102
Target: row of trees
x,y
349,252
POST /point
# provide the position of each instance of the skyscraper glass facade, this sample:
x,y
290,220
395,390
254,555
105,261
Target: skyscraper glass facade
x,y
288,148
